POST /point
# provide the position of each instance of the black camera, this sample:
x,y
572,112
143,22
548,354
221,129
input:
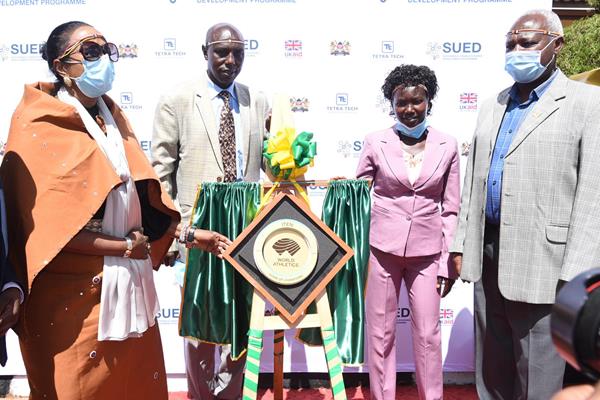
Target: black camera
x,y
575,323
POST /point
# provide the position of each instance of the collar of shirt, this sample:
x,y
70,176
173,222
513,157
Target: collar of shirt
x,y
214,91
535,93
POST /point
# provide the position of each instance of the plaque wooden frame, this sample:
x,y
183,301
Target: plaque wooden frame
x,y
287,319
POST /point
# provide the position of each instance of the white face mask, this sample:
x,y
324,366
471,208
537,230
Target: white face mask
x,y
525,65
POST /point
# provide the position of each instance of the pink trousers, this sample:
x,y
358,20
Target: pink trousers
x,y
386,273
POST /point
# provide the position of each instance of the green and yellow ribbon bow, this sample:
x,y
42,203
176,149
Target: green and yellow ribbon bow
x,y
289,155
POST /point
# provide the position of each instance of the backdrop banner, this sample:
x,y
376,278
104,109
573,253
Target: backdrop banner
x,y
331,58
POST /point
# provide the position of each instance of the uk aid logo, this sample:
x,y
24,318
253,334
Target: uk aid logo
x,y
293,48
454,50
467,101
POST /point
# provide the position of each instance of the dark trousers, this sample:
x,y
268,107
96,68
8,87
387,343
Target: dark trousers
x,y
515,357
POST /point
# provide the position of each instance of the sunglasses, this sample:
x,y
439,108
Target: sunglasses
x,y
92,51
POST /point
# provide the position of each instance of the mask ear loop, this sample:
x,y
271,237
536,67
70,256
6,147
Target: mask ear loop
x,y
553,53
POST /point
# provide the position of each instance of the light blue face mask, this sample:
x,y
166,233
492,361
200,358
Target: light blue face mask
x,y
415,132
97,77
525,66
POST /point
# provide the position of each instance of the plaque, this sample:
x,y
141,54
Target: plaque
x,y
288,255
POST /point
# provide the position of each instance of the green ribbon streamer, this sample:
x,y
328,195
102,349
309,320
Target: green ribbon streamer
x,y
303,151
216,299
347,211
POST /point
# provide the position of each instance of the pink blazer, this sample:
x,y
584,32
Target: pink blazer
x,y
413,220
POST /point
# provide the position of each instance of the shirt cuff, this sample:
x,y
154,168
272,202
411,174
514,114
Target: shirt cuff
x,y
14,285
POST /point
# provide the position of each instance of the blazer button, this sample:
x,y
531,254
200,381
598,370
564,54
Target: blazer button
x,y
219,179
408,218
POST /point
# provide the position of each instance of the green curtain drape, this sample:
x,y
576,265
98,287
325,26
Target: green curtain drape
x,y
347,211
216,299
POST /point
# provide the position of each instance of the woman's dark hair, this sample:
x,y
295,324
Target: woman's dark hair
x,y
411,75
57,43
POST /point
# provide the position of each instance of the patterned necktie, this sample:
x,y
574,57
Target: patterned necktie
x,y
227,139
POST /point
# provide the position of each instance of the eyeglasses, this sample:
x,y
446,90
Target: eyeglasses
x,y
92,51
531,30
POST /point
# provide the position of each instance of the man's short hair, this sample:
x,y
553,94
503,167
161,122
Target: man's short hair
x,y
552,19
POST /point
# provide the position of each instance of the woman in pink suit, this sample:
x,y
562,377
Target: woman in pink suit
x,y
416,193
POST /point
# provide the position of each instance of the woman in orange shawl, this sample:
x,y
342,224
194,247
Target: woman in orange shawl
x,y
87,221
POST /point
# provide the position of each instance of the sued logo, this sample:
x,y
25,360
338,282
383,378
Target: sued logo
x,y
4,52
383,104
251,47
21,52
454,50
403,315
250,44
349,149
168,315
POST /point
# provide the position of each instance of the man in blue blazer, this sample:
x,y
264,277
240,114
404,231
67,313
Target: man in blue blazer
x,y
11,295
